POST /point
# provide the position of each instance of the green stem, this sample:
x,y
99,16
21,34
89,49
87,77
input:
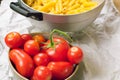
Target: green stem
x,y
60,32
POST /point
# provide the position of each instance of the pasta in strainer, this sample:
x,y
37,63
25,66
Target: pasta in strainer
x,y
62,7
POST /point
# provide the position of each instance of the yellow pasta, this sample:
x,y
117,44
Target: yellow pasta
x,y
71,3
29,2
74,7
47,7
65,3
62,7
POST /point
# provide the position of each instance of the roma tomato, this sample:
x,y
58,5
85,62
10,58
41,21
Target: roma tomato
x,y
60,70
75,55
32,47
22,61
26,37
13,40
41,59
42,73
59,51
39,38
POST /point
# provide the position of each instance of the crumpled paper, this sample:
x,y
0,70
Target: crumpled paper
x,y
100,42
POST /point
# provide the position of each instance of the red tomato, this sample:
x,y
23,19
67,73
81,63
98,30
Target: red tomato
x,y
59,51
26,37
41,59
13,40
42,73
75,55
32,47
23,62
39,38
60,70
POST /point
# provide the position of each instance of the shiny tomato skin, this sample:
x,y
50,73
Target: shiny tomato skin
x,y
39,38
31,47
59,52
13,40
61,69
75,55
41,59
22,61
42,73
26,37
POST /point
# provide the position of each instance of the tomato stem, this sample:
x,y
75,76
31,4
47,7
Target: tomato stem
x,y
60,32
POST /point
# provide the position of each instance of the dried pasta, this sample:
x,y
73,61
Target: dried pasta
x,y
62,7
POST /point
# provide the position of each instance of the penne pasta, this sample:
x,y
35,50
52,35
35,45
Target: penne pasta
x,y
62,7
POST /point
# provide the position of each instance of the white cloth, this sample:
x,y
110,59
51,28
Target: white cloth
x,y
100,42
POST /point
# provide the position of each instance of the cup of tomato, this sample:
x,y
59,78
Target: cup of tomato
x,y
44,56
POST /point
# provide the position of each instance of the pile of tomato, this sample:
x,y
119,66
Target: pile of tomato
x,y
38,58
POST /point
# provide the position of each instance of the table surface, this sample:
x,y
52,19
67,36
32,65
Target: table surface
x,y
100,42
